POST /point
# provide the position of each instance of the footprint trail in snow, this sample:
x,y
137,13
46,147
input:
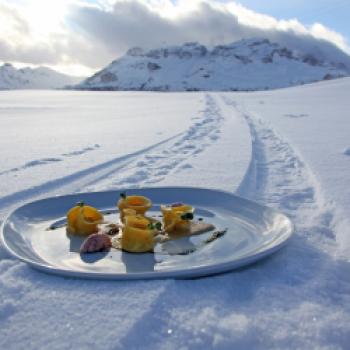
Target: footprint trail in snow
x,y
144,167
168,158
277,176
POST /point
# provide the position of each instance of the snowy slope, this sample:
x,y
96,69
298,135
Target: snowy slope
x,y
315,120
33,78
285,148
254,64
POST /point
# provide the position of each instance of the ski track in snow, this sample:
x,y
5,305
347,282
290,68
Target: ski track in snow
x,y
48,160
171,157
277,176
74,182
31,164
81,151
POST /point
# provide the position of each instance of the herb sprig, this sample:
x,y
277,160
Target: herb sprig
x,y
155,226
187,216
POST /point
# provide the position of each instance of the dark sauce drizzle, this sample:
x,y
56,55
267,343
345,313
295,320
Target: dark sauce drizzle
x,y
214,236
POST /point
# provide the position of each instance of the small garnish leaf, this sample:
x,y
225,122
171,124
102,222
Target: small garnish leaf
x,y
123,195
157,226
80,204
187,216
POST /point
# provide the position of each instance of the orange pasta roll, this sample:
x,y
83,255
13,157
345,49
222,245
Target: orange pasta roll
x,y
139,204
177,217
137,233
83,219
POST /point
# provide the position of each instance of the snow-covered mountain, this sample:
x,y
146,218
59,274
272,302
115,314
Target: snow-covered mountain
x,y
249,64
33,78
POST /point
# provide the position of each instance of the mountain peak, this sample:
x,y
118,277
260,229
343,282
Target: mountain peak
x,y
248,64
33,78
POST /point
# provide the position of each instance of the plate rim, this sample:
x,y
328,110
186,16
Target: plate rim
x,y
193,272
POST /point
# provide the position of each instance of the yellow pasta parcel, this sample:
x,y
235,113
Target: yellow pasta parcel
x,y
176,217
138,234
139,204
83,219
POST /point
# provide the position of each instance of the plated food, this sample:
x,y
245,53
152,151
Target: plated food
x,y
36,233
177,217
135,231
83,219
139,204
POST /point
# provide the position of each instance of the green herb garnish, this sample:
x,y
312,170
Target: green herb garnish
x,y
123,195
187,216
157,226
80,204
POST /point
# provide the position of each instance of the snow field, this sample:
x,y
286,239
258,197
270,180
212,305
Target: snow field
x,y
298,298
50,139
319,138
194,158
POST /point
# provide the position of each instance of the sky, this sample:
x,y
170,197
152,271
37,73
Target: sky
x,y
78,37
333,14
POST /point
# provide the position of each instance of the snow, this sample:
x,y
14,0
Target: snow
x,y
320,136
33,78
284,148
253,64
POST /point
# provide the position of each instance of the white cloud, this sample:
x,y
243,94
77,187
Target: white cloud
x,y
317,30
321,32
79,36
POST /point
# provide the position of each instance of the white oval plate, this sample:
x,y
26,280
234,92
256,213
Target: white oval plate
x,y
253,232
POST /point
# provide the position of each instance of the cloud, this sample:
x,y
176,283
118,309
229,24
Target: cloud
x,y
149,24
16,43
91,34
